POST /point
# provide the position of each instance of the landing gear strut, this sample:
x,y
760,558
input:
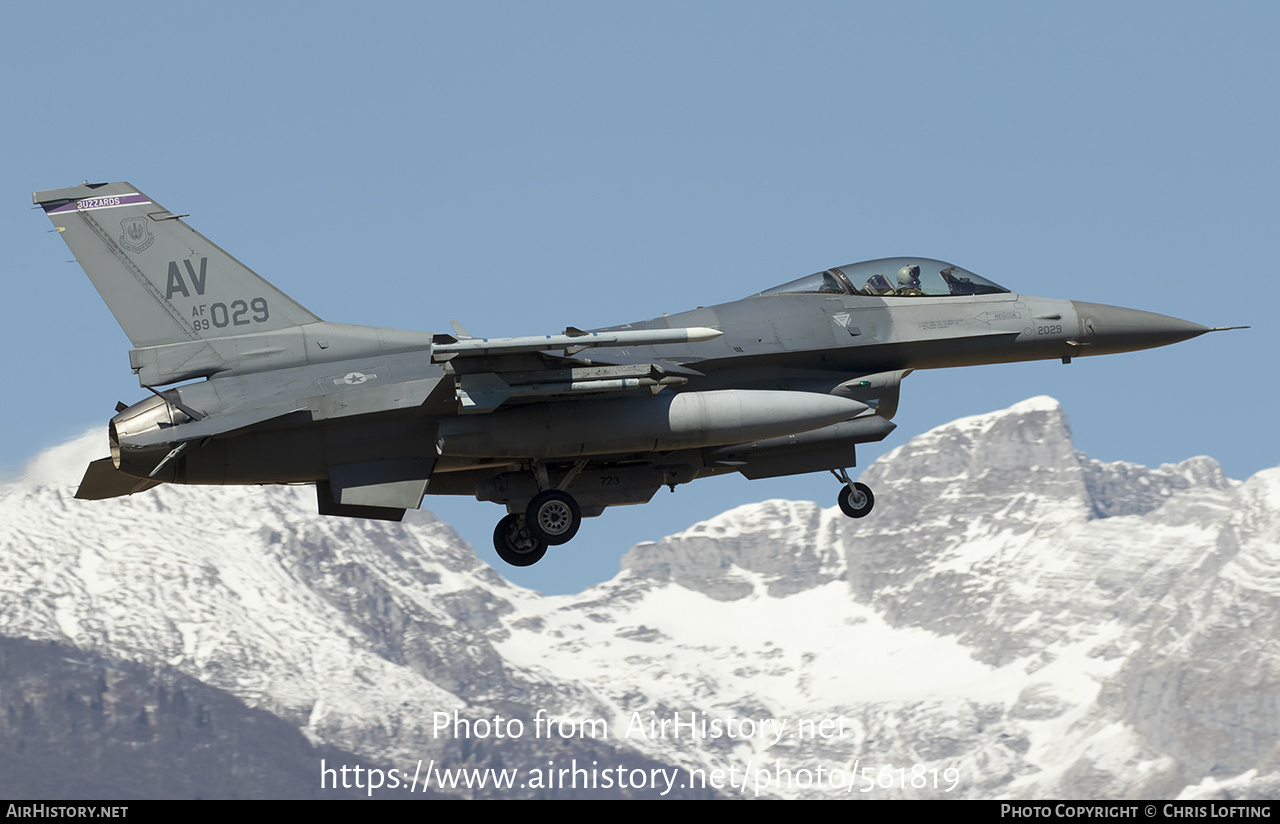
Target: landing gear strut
x,y
855,499
515,545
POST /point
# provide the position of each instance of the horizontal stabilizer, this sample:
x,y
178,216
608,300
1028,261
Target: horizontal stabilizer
x,y
102,480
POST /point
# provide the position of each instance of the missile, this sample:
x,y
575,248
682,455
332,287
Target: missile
x,y
572,339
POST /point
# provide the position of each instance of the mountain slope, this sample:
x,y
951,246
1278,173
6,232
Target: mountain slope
x,y
1039,623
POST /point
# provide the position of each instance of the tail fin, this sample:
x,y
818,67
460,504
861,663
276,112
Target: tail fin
x,y
163,281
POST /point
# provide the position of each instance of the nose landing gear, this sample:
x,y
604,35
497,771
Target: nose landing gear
x,y
855,499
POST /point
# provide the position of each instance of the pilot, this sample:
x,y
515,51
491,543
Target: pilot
x,y
956,284
909,281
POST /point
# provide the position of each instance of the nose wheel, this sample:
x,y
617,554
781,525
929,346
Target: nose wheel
x,y
855,499
515,545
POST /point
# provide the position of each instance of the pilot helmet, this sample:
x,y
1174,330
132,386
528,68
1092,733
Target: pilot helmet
x,y
909,275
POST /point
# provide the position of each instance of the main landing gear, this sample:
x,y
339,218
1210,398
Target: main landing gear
x,y
514,543
855,499
553,516
551,519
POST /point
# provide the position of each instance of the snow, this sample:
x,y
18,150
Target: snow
x,y
986,623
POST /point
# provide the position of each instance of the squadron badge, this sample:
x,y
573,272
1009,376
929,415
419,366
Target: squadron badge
x,y
137,234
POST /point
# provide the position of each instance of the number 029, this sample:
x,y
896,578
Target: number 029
x,y
221,316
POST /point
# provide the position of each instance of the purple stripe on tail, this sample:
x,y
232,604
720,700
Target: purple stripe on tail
x,y
90,203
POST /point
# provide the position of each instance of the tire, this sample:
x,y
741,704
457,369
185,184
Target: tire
x,y
514,543
856,500
553,517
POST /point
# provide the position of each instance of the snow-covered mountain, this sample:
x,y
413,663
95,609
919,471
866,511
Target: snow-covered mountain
x,y
1015,620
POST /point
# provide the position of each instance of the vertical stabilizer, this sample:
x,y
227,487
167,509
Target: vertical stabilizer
x,y
163,281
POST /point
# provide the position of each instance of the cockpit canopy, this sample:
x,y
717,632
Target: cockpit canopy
x,y
892,277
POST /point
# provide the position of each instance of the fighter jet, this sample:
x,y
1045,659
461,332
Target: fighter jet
x,y
248,387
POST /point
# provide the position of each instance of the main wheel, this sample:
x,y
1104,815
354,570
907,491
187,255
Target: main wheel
x,y
856,500
553,517
514,543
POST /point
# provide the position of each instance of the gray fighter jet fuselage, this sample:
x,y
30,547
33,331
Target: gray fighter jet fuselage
x,y
554,427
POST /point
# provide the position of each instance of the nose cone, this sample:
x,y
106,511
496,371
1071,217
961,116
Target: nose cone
x,y
1116,329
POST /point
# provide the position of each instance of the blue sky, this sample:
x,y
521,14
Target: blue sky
x,y
526,166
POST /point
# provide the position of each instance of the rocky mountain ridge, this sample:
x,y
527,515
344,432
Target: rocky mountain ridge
x,y
1041,623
